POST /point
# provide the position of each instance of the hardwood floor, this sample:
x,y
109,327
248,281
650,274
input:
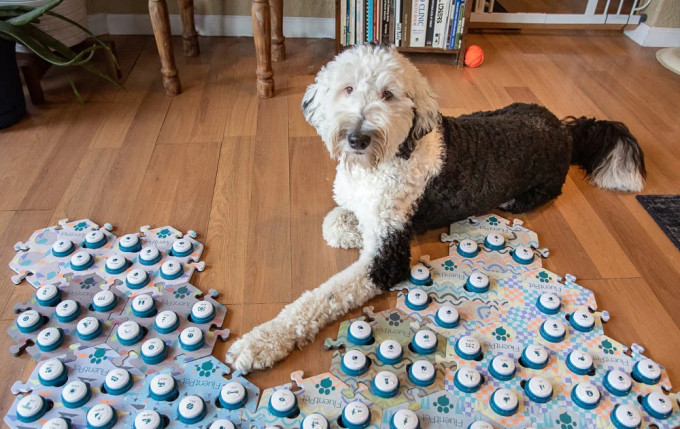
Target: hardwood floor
x,y
253,179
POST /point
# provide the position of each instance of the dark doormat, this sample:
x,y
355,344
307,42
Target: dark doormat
x,y
665,210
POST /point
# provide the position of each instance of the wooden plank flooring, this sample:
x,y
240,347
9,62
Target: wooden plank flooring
x,y
253,179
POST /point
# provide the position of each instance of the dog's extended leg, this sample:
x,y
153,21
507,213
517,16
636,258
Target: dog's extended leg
x,y
341,229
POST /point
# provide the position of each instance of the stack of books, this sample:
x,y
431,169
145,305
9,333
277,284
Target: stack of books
x,y
406,23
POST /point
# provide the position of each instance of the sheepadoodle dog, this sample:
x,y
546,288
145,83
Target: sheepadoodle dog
x,y
403,168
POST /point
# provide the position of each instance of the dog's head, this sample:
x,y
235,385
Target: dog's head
x,y
368,104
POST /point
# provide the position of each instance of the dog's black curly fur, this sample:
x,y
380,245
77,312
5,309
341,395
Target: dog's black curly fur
x,y
517,157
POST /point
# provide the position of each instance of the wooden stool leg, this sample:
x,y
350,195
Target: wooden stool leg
x,y
158,10
278,47
32,79
262,34
189,35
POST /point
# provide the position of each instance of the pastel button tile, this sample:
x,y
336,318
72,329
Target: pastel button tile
x,y
143,306
137,279
417,299
153,351
101,416
50,339
191,409
657,405
314,421
494,241
31,407
67,311
163,387
385,384
148,419
81,261
129,333
29,321
222,424
617,382
171,270
63,247
502,367
535,356
56,423
421,373
116,264
420,275
360,333
580,362
104,301
130,243
447,317
166,322
549,303
477,282
182,248
150,255
468,348
354,363
585,395
75,394
538,389
233,396
191,339
356,415
95,239
390,352
118,381
504,402
88,328
52,372
582,321
468,248
424,342
553,330
523,255
404,419
626,416
202,312
646,371
283,403
48,296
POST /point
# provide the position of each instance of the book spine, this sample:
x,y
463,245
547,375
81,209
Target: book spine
x,y
454,25
343,22
406,22
369,20
386,21
377,28
397,22
418,23
359,11
461,25
440,22
431,12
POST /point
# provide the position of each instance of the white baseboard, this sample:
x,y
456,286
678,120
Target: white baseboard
x,y
210,25
657,37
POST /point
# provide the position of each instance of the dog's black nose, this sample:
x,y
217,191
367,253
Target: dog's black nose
x,y
358,141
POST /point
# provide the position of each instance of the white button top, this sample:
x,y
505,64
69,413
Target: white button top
x,y
587,393
505,399
524,253
202,309
191,336
74,391
468,246
649,369
162,384
148,419
190,407
479,424
170,268
356,413
420,272
87,325
628,415
128,330
28,318
100,415
142,303
536,354
30,405
222,424
448,314
426,339
386,381
360,330
550,301
67,308
48,336
104,298
233,393
315,421
51,369
115,262
405,419
495,239
62,245
580,360
354,360
136,276
165,319
117,378
554,328
390,349
129,240
469,345
479,280
619,380
583,318
94,237
283,400
469,377
540,387
659,403
153,347
422,370
47,292
417,296
503,365
149,253
181,246
56,423
80,258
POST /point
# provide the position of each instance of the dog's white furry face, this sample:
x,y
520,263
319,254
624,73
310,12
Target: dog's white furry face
x,y
366,102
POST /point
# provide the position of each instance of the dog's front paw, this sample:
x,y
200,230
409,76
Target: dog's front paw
x,y
260,348
341,229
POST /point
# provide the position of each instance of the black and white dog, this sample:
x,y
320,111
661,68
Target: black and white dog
x,y
403,168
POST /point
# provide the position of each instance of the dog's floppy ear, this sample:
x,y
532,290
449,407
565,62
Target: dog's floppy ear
x,y
425,106
311,105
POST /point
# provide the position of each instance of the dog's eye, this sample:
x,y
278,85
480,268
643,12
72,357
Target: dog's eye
x,y
349,89
387,95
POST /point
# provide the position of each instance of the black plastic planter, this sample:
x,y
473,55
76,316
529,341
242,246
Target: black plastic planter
x,y
12,102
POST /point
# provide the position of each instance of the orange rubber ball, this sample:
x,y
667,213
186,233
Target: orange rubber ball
x,y
474,56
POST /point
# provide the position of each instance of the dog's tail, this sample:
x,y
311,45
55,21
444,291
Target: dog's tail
x,y
608,152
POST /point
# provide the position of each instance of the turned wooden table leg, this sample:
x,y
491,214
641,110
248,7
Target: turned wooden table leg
x,y
278,47
158,10
262,34
189,35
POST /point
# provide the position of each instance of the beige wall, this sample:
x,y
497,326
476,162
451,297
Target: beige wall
x,y
663,13
307,8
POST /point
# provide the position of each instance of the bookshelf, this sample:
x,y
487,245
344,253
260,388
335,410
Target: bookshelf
x,y
458,53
